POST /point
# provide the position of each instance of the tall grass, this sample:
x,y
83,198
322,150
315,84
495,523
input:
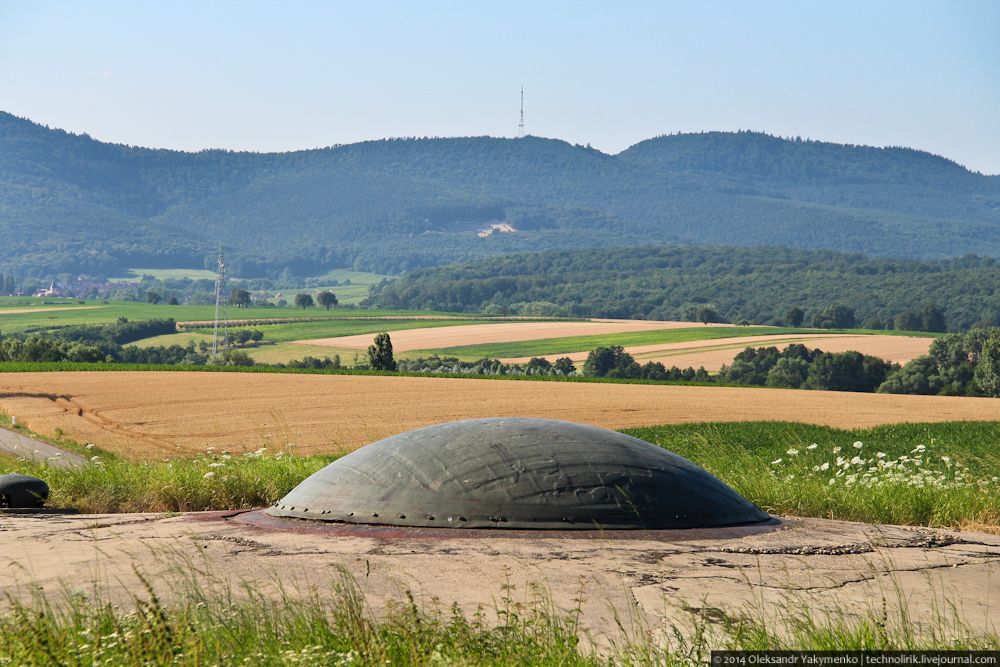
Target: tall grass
x,y
944,475
210,481
211,625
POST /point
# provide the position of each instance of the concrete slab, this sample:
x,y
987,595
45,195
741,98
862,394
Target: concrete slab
x,y
649,580
33,449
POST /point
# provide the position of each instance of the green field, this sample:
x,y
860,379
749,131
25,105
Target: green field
x,y
135,275
549,346
69,311
354,293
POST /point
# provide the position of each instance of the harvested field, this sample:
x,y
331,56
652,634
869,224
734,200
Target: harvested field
x,y
473,334
712,354
45,309
158,414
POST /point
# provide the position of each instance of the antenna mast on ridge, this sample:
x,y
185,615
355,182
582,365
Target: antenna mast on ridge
x,y
520,126
220,305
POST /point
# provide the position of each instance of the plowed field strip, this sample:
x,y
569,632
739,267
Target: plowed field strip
x,y
151,415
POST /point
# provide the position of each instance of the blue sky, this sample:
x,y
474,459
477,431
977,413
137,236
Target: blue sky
x,y
286,75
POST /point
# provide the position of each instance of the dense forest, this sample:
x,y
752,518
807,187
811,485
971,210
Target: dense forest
x,y
759,285
71,203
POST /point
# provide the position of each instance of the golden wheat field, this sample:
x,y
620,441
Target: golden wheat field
x,y
162,414
714,353
405,340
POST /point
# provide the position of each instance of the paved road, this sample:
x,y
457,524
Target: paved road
x,y
19,444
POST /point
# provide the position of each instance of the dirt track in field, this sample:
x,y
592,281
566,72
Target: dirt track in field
x,y
475,334
47,309
158,414
712,354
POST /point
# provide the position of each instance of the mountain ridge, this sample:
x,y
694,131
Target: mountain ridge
x,y
70,202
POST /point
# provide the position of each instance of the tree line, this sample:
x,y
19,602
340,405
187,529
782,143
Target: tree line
x,y
777,286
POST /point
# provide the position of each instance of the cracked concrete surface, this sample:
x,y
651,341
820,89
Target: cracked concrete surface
x,y
657,578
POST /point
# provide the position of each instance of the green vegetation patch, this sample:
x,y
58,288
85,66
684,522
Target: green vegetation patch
x,y
292,331
135,275
213,480
778,286
108,312
356,277
944,474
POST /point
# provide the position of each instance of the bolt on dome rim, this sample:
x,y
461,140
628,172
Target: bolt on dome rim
x,y
517,473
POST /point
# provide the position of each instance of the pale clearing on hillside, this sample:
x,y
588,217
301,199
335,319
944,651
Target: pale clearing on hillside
x,y
475,334
712,354
157,414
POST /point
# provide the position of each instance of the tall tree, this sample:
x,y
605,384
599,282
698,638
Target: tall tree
x,y
835,316
327,299
240,298
988,369
380,353
794,316
303,300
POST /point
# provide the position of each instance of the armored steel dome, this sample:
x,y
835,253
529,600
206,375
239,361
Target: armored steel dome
x,y
22,491
517,473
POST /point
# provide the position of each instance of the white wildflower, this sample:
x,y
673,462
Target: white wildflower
x,y
209,475
90,445
836,450
812,446
832,481
776,462
216,465
825,467
792,452
881,455
858,444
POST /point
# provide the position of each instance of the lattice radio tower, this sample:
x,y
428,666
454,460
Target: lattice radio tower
x,y
221,311
520,126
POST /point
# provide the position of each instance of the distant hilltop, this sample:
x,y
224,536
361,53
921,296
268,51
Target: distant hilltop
x,y
71,203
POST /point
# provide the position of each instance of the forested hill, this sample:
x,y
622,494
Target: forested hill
x,y
68,202
760,285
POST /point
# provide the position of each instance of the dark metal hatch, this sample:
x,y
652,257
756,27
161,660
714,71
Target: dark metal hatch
x,y
517,473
